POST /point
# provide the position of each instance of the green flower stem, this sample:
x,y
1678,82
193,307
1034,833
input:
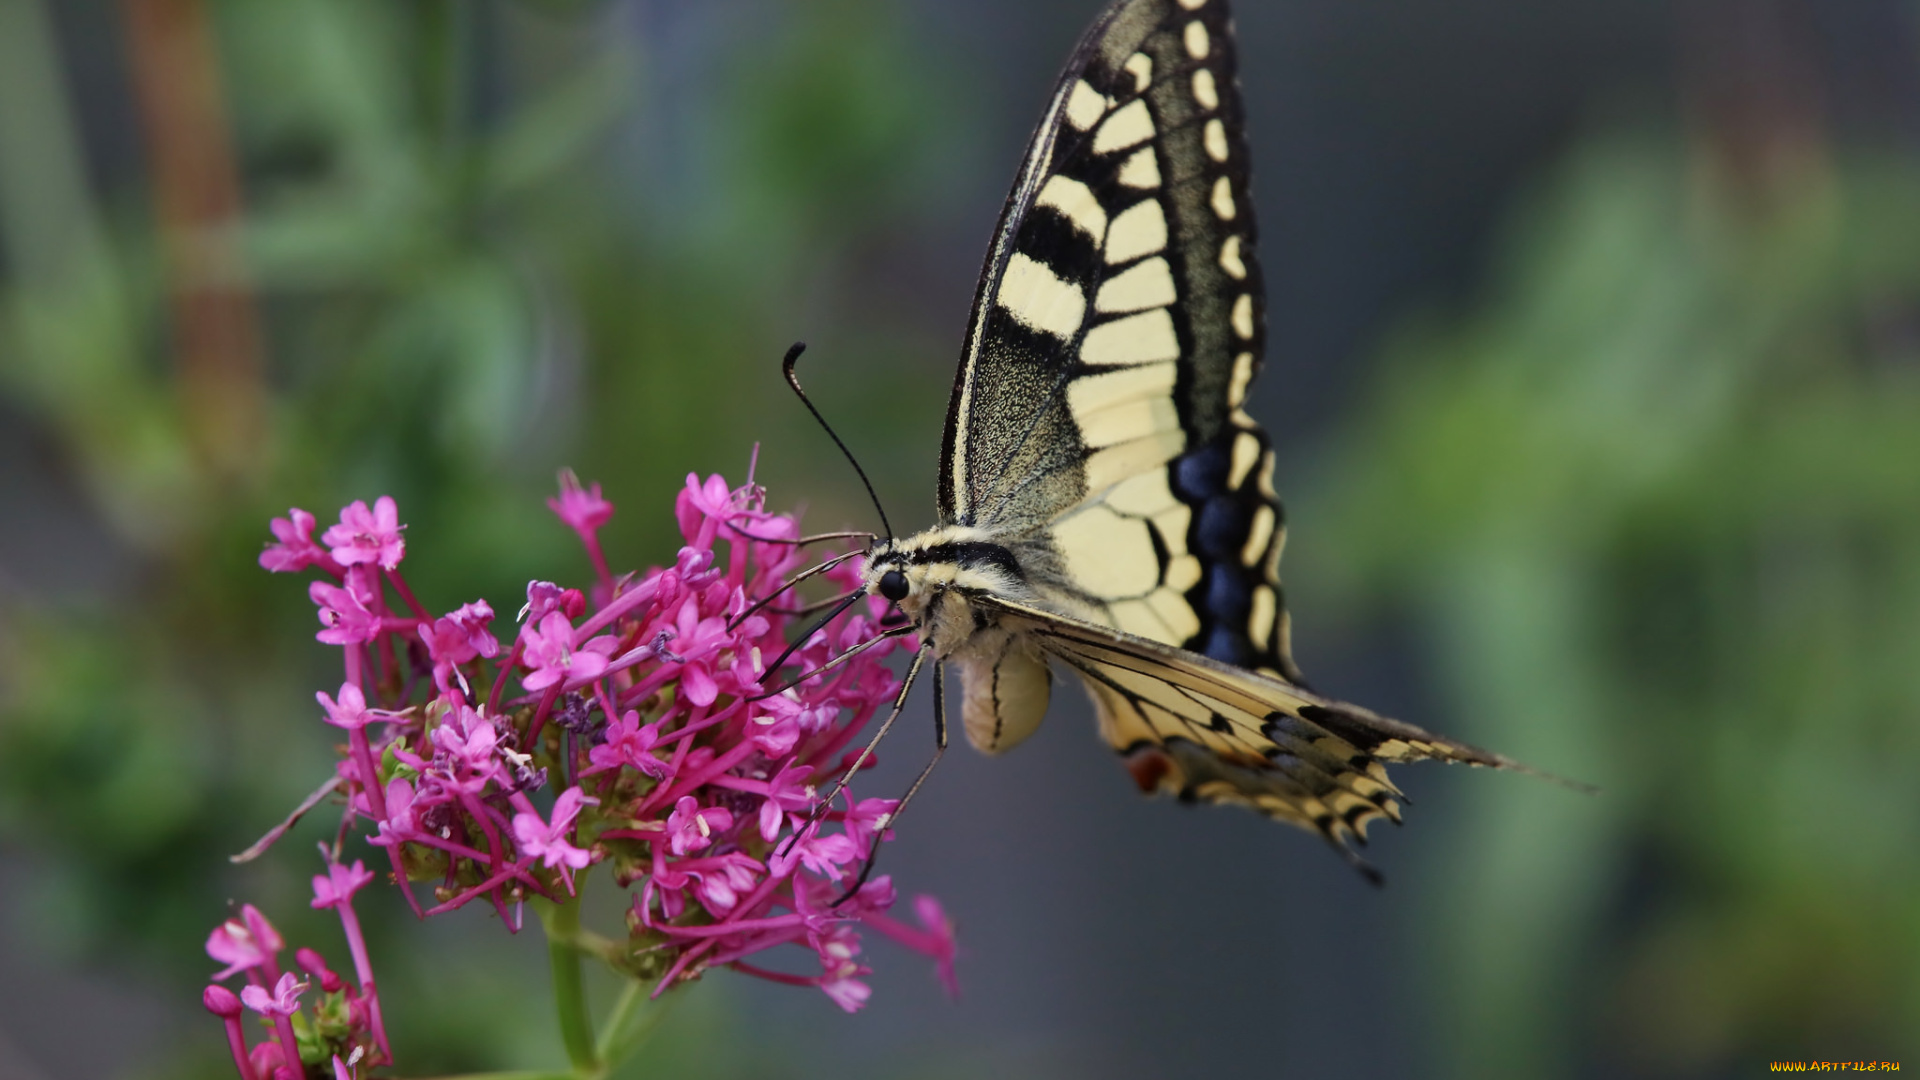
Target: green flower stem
x,y
562,924
443,35
535,1074
616,1041
606,950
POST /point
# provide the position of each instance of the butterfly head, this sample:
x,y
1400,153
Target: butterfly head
x,y
934,576
895,573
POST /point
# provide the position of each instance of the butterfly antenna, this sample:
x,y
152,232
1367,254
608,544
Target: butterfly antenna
x,y
805,637
789,585
835,662
793,357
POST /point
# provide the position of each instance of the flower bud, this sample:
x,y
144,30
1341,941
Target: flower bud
x,y
315,965
220,1001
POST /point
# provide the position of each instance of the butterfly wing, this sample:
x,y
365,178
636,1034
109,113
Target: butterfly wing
x,y
1096,425
1191,726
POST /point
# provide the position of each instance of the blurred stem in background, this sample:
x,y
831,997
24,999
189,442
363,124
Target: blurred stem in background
x,y
216,333
370,248
72,356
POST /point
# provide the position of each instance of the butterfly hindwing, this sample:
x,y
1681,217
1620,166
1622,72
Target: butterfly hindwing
x,y
1097,419
1196,728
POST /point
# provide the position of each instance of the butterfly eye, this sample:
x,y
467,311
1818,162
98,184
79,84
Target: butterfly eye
x,y
893,585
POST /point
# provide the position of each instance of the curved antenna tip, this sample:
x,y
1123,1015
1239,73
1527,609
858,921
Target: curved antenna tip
x,y
793,380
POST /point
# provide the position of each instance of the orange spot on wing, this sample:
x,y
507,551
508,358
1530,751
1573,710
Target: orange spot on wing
x,y
1149,766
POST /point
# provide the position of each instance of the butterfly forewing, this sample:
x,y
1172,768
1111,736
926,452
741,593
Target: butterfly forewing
x,y
1097,419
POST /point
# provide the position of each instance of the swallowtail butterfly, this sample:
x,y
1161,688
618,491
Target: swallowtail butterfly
x,y
1106,504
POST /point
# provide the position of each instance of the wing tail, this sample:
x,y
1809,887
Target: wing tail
x,y
1397,741
1200,730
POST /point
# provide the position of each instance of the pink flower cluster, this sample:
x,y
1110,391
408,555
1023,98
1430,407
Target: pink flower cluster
x,y
343,1027
645,729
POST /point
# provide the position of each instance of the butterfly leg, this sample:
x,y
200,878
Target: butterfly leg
x,y
897,631
939,751
866,752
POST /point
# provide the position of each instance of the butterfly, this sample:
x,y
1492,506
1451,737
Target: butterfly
x,y
1105,502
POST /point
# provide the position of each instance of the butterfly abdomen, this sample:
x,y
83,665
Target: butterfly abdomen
x,y
1006,688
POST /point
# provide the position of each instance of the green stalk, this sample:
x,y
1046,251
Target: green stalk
x,y
614,1042
441,68
523,1075
626,1033
562,924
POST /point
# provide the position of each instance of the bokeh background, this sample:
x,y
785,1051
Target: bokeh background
x,y
1595,372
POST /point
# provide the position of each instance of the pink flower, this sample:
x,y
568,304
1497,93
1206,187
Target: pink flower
x,y
824,855
465,745
458,639
704,778
283,1001
775,735
270,1063
845,989
401,823
244,943
811,718
295,549
712,501
339,884
584,511
548,841
316,965
220,1001
368,536
699,640
344,613
721,884
840,972
351,710
690,828
786,792
550,652
867,816
868,900
545,596
935,939
667,884
630,743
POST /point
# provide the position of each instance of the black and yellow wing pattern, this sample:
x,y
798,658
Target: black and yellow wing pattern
x,y
1116,330
1097,432
1193,727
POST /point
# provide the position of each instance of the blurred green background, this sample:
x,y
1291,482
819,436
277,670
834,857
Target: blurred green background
x,y
1596,374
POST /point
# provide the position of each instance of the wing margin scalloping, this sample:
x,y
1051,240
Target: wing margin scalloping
x,y
1199,729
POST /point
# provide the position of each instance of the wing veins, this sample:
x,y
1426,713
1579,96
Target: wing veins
x,y
1204,734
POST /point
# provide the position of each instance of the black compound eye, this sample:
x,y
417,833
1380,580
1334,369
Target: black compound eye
x,y
893,585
